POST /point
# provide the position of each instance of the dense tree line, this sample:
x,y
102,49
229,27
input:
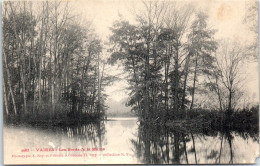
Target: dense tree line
x,y
52,63
172,58
54,68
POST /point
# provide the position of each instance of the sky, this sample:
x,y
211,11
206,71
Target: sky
x,y
224,15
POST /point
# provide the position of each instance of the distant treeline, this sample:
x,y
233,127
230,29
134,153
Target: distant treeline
x,y
121,114
174,61
52,65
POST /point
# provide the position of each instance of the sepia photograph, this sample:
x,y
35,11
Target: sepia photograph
x,y
130,82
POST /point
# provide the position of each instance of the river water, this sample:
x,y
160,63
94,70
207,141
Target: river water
x,y
124,141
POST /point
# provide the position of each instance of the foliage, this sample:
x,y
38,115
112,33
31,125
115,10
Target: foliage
x,y
159,52
52,65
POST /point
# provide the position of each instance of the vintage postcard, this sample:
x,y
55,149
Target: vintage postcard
x,y
130,81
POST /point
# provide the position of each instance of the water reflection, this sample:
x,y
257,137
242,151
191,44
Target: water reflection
x,y
92,133
157,144
144,143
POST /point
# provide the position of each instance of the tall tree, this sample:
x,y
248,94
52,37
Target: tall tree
x,y
202,46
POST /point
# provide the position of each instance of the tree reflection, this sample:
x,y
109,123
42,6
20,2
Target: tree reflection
x,y
158,144
227,135
93,133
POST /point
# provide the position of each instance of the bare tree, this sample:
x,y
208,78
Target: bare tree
x,y
227,76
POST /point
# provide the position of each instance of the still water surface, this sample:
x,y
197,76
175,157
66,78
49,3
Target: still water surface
x,y
123,141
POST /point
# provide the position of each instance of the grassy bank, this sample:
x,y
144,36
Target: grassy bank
x,y
205,120
45,116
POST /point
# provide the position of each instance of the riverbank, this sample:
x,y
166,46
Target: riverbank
x,y
196,120
59,120
205,120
